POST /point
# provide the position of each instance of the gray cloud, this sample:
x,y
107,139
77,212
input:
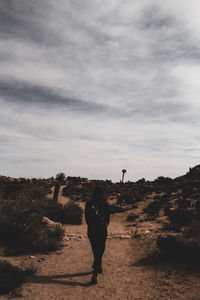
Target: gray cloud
x,y
27,94
94,83
27,21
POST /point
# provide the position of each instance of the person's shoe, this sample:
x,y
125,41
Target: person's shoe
x,y
94,279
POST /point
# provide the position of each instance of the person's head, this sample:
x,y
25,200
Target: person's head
x,y
98,195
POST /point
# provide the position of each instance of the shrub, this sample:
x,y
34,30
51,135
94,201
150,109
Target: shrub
x,y
73,213
126,197
116,209
180,216
21,226
15,191
12,190
153,208
179,246
131,217
70,213
183,203
11,277
193,229
60,177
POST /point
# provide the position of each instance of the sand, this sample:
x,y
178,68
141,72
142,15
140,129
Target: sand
x,y
132,268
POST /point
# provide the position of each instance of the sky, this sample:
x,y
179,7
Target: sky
x,y
92,87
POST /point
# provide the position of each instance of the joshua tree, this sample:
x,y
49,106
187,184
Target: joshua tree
x,y
123,172
60,178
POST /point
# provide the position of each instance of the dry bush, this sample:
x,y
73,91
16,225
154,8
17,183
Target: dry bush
x,y
126,197
153,208
131,217
12,276
17,190
179,246
193,229
73,213
70,213
184,245
12,190
114,208
21,226
180,216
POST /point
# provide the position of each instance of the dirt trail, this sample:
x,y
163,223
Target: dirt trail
x,y
130,270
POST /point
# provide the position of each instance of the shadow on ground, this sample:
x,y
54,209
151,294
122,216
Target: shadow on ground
x,y
158,261
60,279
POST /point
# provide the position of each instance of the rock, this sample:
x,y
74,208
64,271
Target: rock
x,y
125,236
136,234
51,225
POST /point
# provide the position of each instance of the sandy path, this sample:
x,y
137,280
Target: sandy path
x,y
129,270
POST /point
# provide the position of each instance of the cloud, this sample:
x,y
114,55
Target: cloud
x,y
27,94
96,83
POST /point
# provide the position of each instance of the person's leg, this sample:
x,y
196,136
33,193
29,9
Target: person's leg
x,y
94,245
101,249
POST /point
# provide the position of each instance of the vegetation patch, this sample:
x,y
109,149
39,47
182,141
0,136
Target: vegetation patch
x,y
131,217
70,213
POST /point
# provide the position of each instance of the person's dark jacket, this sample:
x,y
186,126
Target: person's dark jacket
x,y
97,215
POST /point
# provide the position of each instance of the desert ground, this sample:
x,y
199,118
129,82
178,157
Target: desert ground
x,y
132,266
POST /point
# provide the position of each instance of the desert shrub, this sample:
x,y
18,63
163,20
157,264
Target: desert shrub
x,y
179,246
134,206
21,226
70,213
180,216
193,229
183,203
187,191
11,277
61,178
18,190
12,190
73,213
73,191
114,208
126,197
153,208
131,217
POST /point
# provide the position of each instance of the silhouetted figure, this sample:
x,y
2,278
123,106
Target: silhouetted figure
x,y
97,218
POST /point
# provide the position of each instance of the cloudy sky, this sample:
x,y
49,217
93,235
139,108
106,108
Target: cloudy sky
x,y
94,86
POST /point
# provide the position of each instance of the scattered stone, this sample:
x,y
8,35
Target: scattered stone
x,y
136,234
125,237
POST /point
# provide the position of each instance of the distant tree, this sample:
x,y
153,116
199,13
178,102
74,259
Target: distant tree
x,y
60,179
123,173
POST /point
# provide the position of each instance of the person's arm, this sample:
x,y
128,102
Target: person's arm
x,y
107,214
87,213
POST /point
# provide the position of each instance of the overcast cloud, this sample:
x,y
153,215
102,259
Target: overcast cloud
x,y
91,87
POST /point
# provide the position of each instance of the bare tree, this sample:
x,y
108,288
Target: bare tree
x,y
60,178
123,172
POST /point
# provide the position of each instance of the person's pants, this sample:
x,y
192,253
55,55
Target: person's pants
x,y
97,239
